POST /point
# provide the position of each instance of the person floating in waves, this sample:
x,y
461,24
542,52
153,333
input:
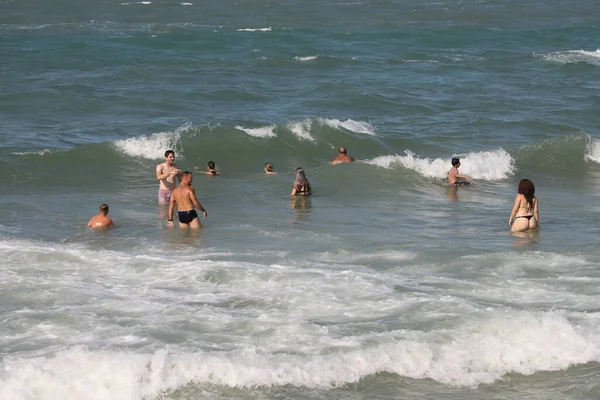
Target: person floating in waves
x,y
269,169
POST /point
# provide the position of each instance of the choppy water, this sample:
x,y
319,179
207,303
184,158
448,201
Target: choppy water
x,y
383,284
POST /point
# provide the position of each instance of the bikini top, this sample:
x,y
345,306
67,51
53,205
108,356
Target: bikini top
x,y
301,189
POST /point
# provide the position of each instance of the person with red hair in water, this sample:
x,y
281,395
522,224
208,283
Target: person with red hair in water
x,y
525,213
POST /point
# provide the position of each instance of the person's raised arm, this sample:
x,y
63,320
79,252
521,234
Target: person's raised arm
x,y
514,210
197,203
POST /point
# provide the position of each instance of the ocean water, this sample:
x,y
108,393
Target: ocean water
x,y
384,284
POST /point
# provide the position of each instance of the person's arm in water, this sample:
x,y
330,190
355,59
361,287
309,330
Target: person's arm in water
x,y
468,178
536,211
196,202
90,222
294,190
171,209
515,208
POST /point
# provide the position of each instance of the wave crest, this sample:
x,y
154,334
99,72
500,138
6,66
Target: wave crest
x,y
481,352
490,165
154,146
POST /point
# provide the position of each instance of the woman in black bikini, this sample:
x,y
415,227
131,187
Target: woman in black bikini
x,y
301,184
525,214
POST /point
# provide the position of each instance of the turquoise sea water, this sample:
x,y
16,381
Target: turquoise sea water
x,y
383,284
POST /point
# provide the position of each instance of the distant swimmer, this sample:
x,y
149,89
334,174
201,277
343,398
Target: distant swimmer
x,y
184,197
454,177
101,220
525,214
212,170
342,157
301,185
167,173
269,169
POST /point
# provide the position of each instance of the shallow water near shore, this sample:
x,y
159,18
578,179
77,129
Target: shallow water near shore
x,y
383,284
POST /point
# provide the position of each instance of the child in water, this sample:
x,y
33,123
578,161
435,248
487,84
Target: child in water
x,y
269,169
454,177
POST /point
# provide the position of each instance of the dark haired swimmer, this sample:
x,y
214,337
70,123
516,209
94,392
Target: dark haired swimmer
x,y
212,170
454,177
301,185
184,196
269,169
525,214
167,173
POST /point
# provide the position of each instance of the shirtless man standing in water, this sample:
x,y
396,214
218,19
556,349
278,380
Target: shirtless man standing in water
x,y
184,196
167,173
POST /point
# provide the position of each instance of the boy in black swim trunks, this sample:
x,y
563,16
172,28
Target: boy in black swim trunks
x,y
454,176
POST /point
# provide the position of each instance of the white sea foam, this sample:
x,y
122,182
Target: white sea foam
x,y
572,56
389,255
307,58
419,61
287,303
263,132
490,165
36,153
269,29
301,129
154,146
187,4
480,352
350,125
592,151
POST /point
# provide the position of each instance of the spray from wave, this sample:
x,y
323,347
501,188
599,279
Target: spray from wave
x,y
592,152
262,132
154,146
572,56
490,165
350,125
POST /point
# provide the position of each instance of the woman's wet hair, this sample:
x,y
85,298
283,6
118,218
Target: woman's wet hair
x,y
269,166
211,164
455,161
527,189
301,179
